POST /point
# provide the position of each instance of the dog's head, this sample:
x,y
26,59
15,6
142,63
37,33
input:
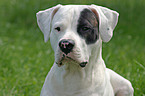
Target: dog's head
x,y
75,30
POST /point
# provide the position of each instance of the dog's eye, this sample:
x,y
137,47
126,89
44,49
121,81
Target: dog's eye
x,y
85,28
57,28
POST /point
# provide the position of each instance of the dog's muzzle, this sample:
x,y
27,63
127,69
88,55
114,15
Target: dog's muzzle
x,y
66,45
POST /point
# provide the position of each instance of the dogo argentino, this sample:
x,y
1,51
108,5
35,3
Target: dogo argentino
x,y
76,33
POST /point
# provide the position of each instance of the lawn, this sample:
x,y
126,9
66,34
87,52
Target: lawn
x,y
25,59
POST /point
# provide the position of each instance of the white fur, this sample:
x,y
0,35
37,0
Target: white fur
x,y
70,79
108,20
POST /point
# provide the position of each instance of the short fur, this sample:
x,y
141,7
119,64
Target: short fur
x,y
68,77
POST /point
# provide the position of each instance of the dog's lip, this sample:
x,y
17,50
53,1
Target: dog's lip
x,y
82,64
65,57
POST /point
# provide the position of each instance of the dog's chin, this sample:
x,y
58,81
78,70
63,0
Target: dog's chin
x,y
69,60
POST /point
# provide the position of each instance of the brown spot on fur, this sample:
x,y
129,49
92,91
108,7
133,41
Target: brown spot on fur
x,y
54,12
96,13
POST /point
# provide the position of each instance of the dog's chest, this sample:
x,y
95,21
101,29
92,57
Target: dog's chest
x,y
74,83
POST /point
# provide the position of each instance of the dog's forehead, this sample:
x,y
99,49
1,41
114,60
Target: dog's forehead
x,y
69,12
76,8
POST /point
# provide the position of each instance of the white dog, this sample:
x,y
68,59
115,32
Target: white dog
x,y
76,33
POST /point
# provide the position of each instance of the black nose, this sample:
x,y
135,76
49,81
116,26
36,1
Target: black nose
x,y
66,45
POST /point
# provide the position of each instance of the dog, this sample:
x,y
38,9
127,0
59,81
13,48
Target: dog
x,y
76,34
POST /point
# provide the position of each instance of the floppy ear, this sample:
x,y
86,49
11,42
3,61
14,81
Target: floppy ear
x,y
44,19
107,21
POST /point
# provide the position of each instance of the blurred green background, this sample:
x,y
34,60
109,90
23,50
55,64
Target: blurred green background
x,y
25,59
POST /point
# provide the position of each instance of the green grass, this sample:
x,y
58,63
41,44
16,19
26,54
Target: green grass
x,y
25,59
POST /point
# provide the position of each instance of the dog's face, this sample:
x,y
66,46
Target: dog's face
x,y
74,31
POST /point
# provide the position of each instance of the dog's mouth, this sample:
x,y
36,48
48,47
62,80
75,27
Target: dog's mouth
x,y
69,59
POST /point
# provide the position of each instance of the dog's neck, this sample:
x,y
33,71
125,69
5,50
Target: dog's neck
x,y
75,78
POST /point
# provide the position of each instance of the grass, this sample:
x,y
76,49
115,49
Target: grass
x,y
25,59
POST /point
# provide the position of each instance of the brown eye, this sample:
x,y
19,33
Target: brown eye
x,y
85,28
57,28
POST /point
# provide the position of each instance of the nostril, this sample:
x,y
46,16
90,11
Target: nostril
x,y
70,46
66,45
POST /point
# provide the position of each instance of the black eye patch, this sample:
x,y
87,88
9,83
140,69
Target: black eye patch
x,y
88,26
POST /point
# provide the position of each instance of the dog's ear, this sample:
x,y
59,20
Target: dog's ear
x,y
44,19
107,21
